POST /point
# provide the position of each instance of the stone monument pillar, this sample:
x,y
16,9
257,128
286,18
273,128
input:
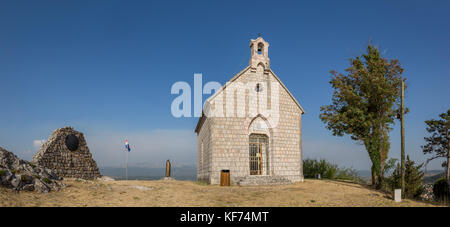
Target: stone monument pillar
x,y
167,168
67,154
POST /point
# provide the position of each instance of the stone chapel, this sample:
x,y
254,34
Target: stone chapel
x,y
251,127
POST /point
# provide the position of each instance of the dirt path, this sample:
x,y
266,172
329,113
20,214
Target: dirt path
x,y
188,193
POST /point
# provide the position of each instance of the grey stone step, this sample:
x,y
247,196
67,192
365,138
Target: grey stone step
x,y
263,180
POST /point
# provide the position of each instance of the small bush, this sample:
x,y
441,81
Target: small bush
x,y
312,167
2,172
348,174
441,190
327,170
413,179
46,180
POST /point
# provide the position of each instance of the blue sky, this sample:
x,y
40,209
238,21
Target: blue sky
x,y
106,67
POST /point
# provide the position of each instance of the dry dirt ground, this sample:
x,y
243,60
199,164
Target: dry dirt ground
x,y
188,193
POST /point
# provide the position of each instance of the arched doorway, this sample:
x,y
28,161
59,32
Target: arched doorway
x,y
258,154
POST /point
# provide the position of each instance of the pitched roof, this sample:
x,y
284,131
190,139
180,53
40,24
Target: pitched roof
x,y
202,118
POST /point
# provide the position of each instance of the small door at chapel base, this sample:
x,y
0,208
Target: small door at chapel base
x,y
258,158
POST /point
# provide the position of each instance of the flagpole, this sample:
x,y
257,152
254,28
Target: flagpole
x,y
127,147
126,167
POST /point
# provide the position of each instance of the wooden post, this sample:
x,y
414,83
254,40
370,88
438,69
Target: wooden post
x,y
402,119
168,168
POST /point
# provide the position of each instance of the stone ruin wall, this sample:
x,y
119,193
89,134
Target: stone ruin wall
x,y
55,155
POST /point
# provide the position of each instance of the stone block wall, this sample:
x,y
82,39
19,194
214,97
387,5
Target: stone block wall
x,y
204,152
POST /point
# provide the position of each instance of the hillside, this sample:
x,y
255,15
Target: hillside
x,y
433,177
189,193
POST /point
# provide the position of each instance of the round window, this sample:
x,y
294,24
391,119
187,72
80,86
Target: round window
x,y
72,142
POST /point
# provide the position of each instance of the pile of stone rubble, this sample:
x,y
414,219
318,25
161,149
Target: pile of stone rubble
x,y
18,175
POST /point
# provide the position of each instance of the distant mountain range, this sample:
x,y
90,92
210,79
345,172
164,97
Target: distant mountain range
x,y
179,173
364,173
190,173
143,173
432,176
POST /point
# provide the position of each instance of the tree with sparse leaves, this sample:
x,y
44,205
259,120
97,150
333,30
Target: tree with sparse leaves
x,y
439,140
365,103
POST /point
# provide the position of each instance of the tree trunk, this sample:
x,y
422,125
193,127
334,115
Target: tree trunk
x,y
372,148
384,148
448,166
448,157
375,178
381,177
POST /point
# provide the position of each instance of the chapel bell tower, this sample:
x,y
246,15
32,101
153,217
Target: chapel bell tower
x,y
259,53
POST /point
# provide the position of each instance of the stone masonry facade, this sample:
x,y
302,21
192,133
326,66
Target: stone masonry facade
x,y
223,141
56,155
